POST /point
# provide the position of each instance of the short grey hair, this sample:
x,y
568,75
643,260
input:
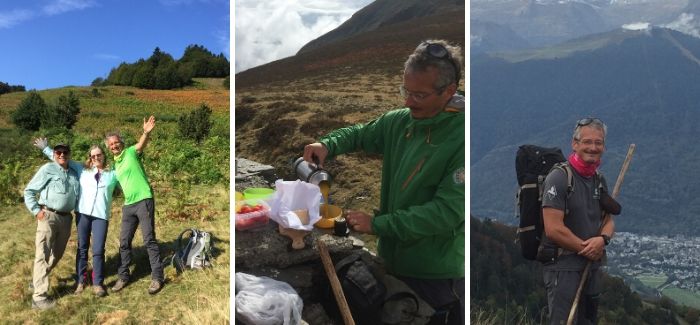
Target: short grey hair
x,y
113,134
420,60
595,123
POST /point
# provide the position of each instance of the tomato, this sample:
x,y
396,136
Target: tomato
x,y
246,209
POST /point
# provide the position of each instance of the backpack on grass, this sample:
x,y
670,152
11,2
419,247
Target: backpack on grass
x,y
196,253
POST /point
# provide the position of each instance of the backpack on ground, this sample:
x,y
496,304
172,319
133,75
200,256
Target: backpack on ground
x,y
196,253
378,298
532,164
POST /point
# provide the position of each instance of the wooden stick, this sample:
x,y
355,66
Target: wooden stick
x,y
616,191
335,283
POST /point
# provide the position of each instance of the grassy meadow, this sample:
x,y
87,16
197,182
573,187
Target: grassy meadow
x,y
191,189
653,280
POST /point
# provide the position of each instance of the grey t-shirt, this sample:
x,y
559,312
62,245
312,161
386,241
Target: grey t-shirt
x,y
584,213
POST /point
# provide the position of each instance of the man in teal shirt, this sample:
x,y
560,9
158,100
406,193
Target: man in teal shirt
x,y
139,207
420,221
58,188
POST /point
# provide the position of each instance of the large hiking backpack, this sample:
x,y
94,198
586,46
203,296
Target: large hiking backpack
x,y
196,253
532,164
377,298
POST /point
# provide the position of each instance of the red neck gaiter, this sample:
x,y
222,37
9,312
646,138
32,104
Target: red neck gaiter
x,y
583,168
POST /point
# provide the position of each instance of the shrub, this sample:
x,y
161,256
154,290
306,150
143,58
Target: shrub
x,y
28,114
99,81
272,134
95,92
63,114
196,124
243,114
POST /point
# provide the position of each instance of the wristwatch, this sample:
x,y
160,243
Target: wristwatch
x,y
606,239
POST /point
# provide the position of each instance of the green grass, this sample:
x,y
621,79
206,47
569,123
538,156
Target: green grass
x,y
652,280
191,189
683,296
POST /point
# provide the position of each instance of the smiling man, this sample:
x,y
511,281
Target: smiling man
x,y
139,207
57,187
420,221
572,224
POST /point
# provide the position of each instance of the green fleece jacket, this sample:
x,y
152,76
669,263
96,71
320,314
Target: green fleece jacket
x,y
420,223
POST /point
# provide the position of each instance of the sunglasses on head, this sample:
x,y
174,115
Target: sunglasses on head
x,y
439,51
588,120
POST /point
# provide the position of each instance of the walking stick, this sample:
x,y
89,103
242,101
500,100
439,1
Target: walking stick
x,y
616,191
335,284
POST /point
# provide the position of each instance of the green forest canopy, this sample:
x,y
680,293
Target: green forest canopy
x,y
161,71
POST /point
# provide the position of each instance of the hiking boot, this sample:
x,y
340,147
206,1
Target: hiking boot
x,y
119,285
79,289
99,290
43,304
155,287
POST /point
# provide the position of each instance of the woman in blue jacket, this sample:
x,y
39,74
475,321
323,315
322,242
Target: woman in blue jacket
x,y
97,184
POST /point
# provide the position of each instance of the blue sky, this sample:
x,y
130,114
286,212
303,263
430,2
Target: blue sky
x,y
56,43
268,30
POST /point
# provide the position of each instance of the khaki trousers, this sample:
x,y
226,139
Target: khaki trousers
x,y
52,235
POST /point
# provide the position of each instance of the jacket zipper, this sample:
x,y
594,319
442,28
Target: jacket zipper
x,y
413,173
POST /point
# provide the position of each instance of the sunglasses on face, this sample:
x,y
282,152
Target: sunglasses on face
x,y
440,52
62,152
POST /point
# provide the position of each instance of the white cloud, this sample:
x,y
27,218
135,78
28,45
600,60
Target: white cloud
x,y
60,6
685,24
14,17
271,30
105,56
636,26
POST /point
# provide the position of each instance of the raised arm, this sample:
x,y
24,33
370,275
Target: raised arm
x,y
42,144
148,126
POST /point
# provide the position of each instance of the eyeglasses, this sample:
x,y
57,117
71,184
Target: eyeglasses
x,y
440,52
96,156
588,120
61,152
590,142
417,96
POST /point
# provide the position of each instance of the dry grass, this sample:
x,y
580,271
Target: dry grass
x,y
199,297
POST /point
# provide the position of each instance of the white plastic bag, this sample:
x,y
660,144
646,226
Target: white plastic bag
x,y
295,195
265,301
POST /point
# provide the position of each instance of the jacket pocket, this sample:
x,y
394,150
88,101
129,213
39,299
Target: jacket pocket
x,y
58,185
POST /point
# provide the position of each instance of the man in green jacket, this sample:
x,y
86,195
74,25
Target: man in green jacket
x,y
139,207
420,223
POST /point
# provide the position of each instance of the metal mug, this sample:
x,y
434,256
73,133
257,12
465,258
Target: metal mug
x,y
310,173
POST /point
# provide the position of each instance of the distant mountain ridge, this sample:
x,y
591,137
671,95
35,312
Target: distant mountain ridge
x,y
382,13
644,84
546,22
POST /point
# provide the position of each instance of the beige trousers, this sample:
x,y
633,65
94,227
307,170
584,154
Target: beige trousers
x,y
52,235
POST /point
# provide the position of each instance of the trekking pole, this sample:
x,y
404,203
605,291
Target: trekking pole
x,y
616,191
335,284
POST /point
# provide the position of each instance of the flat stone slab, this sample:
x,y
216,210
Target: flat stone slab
x,y
266,247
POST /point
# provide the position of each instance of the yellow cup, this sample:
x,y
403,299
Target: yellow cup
x,y
327,221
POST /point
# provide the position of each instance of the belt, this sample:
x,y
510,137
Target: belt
x,y
60,213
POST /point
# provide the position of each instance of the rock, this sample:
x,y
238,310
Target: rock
x,y
266,247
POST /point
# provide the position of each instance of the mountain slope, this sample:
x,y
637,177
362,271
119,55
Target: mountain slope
x,y
384,49
644,84
383,13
